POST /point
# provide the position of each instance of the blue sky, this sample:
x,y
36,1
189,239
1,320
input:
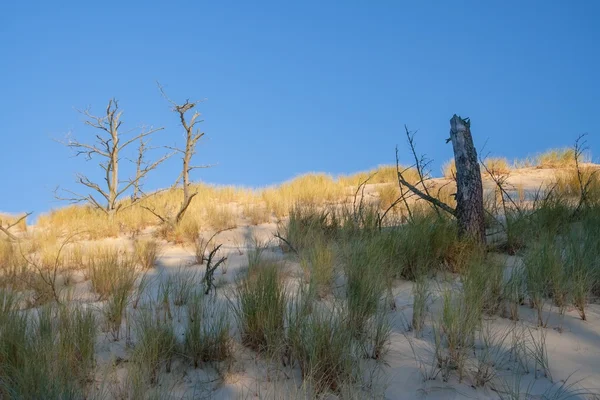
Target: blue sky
x,y
292,87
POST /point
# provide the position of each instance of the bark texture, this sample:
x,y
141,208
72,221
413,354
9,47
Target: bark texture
x,y
469,196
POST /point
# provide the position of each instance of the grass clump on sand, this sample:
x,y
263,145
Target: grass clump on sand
x,y
48,354
108,269
206,335
260,307
324,348
146,252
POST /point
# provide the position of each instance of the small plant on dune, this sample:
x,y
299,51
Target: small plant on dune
x,y
493,299
541,259
44,272
184,283
365,282
513,293
220,217
421,295
454,331
256,213
569,181
539,352
257,249
557,158
207,332
318,263
74,257
324,349
143,283
156,343
77,338
146,252
581,254
116,304
260,307
47,354
426,243
107,269
491,356
388,196
199,250
379,331
11,264
497,165
306,225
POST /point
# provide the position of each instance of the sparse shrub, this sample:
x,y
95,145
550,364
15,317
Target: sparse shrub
x,y
379,332
108,269
207,332
324,349
49,354
307,224
581,255
497,165
116,304
156,343
260,308
421,294
426,243
387,195
557,158
146,251
11,264
513,292
491,356
365,282
318,263
569,182
220,217
77,338
256,213
184,283
540,260
454,333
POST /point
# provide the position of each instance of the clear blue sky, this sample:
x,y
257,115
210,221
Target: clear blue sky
x,y
292,87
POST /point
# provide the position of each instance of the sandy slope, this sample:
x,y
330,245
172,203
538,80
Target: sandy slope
x,y
573,350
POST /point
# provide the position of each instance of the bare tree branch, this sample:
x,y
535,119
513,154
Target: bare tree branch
x,y
192,136
420,164
6,229
109,148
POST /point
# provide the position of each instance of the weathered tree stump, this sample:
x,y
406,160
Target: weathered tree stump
x,y
469,187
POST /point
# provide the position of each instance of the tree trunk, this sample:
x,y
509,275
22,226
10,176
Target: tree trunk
x,y
469,194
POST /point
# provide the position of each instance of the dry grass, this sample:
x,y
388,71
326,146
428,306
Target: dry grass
x,y
256,213
449,169
220,217
8,219
108,268
497,165
568,181
146,252
556,158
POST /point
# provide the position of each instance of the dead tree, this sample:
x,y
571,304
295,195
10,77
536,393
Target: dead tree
x,y
108,148
192,136
139,166
469,187
469,210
